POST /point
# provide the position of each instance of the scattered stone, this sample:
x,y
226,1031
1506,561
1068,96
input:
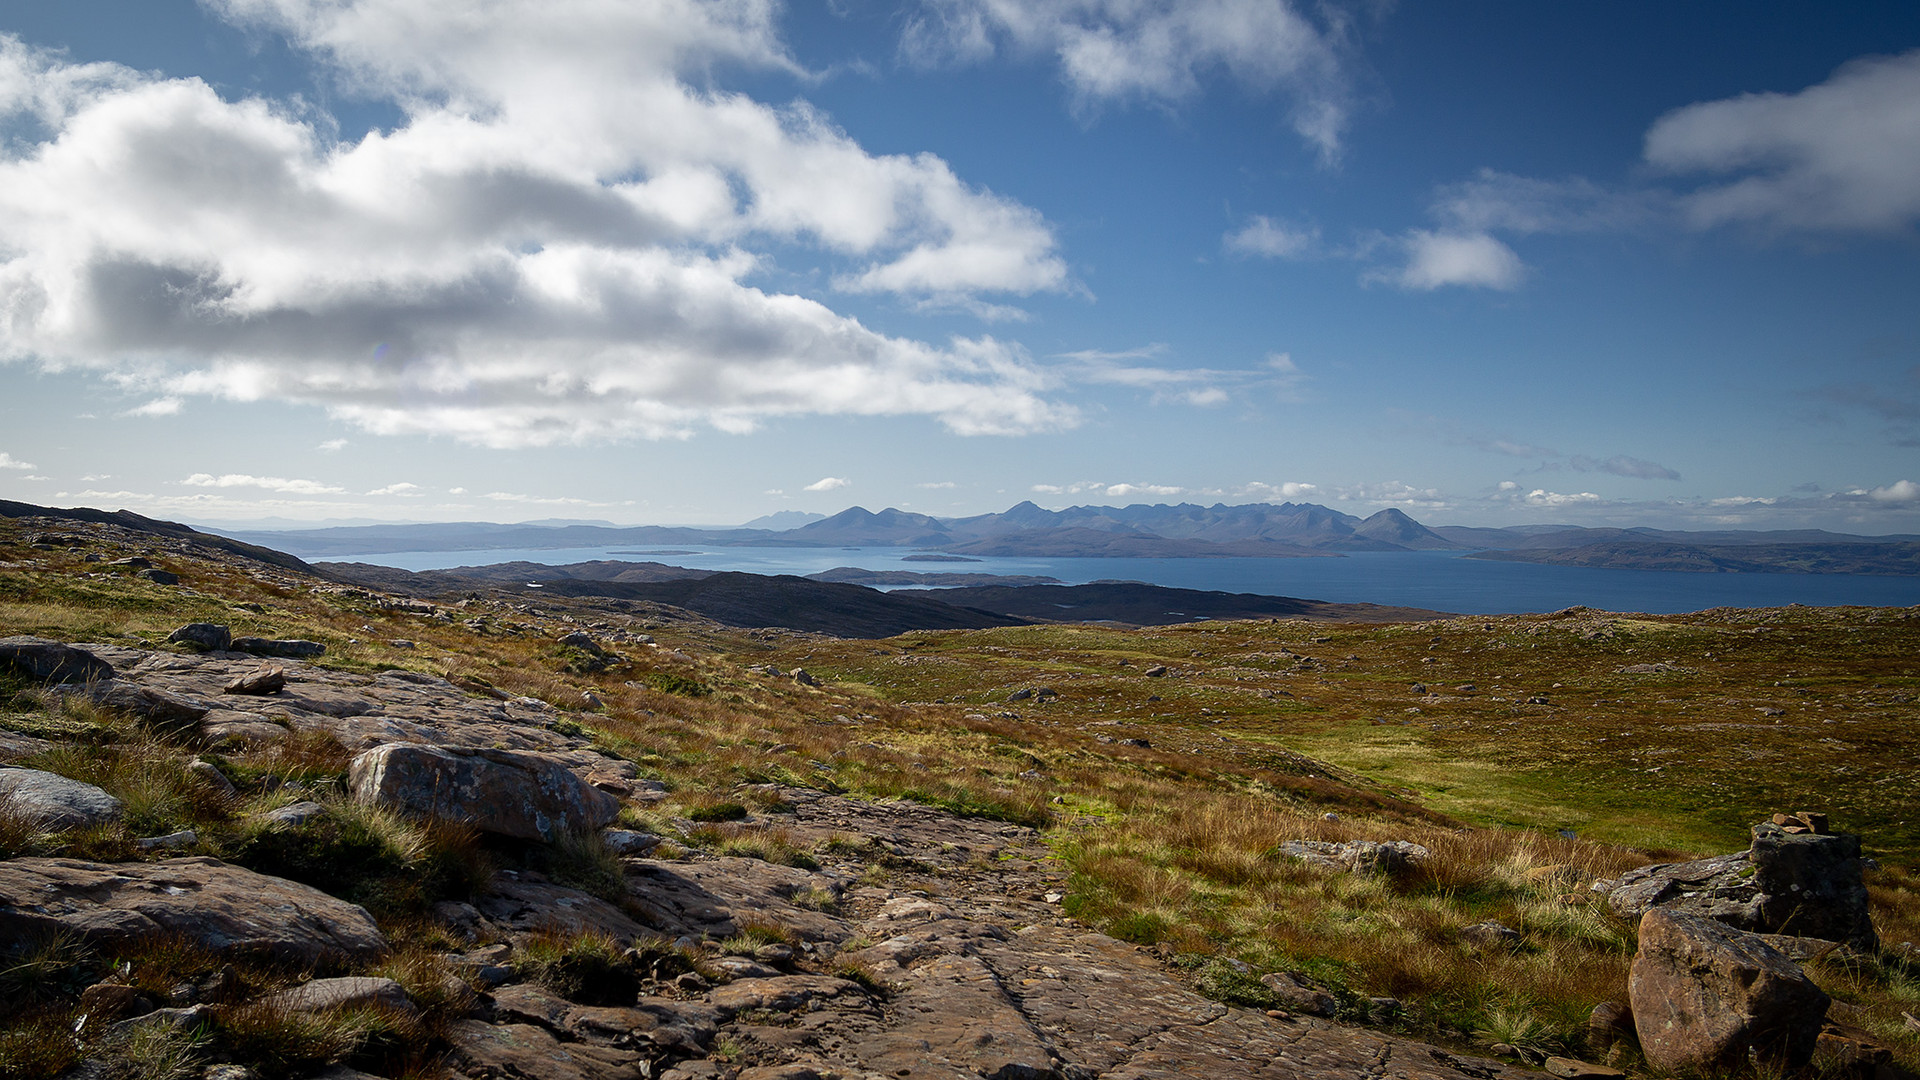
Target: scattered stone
x,y
1573,1069
173,841
285,648
1141,743
1357,856
107,1003
42,661
1491,934
294,815
1020,695
803,677
1706,997
53,801
202,900
157,707
1296,993
628,842
580,639
527,795
207,637
359,991
1156,671
213,777
259,683
1610,1022
133,562
161,577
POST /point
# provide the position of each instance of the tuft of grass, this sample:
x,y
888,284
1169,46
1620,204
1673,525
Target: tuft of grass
x,y
718,811
388,863
583,861
155,1052
589,967
39,1046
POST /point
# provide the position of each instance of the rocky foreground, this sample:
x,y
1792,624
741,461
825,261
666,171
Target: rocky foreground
x,y
960,965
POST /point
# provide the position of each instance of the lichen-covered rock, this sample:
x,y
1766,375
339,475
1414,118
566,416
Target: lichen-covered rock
x,y
205,901
510,793
1706,997
352,991
53,801
210,637
289,648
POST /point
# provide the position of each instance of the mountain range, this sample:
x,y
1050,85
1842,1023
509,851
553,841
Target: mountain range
x,y
1267,530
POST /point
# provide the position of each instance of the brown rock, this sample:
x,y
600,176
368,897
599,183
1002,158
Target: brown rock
x,y
522,1051
260,682
105,1003
531,796
356,991
1705,996
203,900
44,661
1574,1069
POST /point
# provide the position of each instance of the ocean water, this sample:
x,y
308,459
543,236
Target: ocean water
x,y
1443,581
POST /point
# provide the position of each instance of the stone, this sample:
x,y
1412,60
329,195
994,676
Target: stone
x,y
1294,992
1156,671
157,707
53,801
207,637
354,991
173,841
531,796
579,639
628,842
258,683
295,814
107,1003
1491,934
286,648
42,661
803,677
203,900
161,577
1811,885
1357,856
211,775
1574,1069
1608,1023
526,1051
1706,997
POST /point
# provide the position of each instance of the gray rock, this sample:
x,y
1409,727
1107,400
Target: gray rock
x,y
1357,856
1490,934
1294,992
629,842
354,991
44,661
173,841
54,801
261,682
161,577
213,777
804,678
1707,997
287,648
157,707
205,901
295,814
511,793
209,637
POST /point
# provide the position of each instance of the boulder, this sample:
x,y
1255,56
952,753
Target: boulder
x,y
53,801
1296,993
260,683
157,707
1357,856
1705,997
287,648
515,793
205,636
42,661
1803,884
203,900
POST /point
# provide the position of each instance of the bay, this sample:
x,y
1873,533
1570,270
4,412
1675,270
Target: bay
x,y
1443,581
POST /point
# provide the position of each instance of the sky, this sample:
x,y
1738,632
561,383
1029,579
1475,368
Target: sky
x,y
685,262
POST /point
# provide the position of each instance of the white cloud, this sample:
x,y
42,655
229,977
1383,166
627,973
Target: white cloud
x,y
401,488
166,406
270,483
7,462
1842,155
1900,491
1286,492
1273,239
457,491
1192,386
1156,50
1543,497
1622,465
1078,487
1127,491
938,485
1494,200
554,245
332,446
540,500
94,478
828,483
1393,493
1439,259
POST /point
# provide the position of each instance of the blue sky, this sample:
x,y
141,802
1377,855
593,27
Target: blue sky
x,y
1641,264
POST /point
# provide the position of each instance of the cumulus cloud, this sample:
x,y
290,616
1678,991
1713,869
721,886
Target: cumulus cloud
x,y
7,461
1157,50
166,406
1286,491
1543,497
1128,491
828,483
269,483
1842,155
1273,239
401,488
1437,259
332,446
1900,491
1524,205
555,245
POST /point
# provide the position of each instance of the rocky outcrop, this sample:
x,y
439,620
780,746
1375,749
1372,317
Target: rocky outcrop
x,y
42,661
510,793
205,901
289,648
1707,998
1803,884
207,637
1357,856
53,801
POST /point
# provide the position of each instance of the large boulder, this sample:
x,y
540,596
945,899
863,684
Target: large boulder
x,y
52,801
1707,997
206,636
42,661
157,707
1802,884
287,648
508,792
205,901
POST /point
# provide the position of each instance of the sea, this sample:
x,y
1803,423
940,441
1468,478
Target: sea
x,y
1440,581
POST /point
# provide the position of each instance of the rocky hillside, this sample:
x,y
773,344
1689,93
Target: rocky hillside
x,y
256,823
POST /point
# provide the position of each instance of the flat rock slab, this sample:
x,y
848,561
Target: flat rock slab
x,y
211,903
54,801
44,661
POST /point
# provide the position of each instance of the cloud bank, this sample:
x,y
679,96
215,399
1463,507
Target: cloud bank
x,y
556,245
